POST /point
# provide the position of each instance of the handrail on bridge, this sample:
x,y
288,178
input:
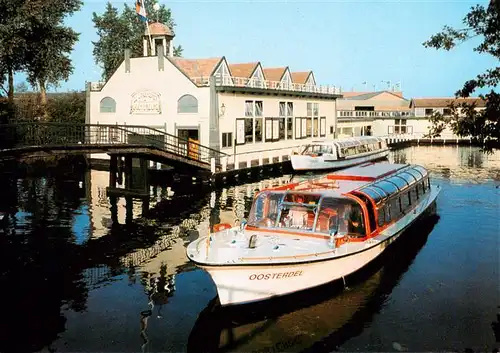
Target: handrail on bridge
x,y
27,134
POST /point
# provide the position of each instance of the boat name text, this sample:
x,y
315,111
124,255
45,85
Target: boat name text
x,y
280,275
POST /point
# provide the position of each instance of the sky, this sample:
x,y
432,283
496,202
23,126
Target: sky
x,y
345,42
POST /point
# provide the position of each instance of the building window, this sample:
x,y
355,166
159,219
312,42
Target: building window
x,y
227,139
400,126
248,108
274,129
258,129
286,112
187,104
429,111
446,111
258,108
254,108
107,105
248,130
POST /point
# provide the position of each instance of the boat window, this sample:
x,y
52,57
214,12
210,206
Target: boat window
x,y
413,195
405,201
362,149
297,216
376,195
395,205
408,177
381,216
415,173
421,170
342,216
264,210
387,186
400,182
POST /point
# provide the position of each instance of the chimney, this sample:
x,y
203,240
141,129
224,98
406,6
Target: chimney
x,y
127,60
161,58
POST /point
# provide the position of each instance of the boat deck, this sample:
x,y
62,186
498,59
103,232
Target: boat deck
x,y
231,247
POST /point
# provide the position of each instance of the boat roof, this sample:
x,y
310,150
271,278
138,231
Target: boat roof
x,y
348,141
338,183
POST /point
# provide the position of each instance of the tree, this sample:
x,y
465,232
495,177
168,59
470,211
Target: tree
x,y
49,44
118,32
12,44
465,120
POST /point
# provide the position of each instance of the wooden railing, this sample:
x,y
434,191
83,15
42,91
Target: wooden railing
x,y
230,81
42,134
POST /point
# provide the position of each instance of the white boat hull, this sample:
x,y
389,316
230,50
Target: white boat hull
x,y
305,162
243,284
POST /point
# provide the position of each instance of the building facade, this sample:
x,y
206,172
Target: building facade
x,y
237,108
372,113
390,114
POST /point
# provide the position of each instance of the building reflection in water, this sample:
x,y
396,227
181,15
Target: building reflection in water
x,y
461,163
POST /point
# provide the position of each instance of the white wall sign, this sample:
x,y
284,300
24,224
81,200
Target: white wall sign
x,y
145,102
240,131
323,127
269,129
276,129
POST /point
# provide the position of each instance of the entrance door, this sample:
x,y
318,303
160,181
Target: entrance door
x,y
189,140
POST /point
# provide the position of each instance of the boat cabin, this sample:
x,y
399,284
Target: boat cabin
x,y
345,147
356,202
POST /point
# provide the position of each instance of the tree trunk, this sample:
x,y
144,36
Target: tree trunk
x,y
10,93
43,99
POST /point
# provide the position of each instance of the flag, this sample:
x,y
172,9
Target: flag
x,y
140,9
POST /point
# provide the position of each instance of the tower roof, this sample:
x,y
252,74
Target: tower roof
x,y
159,29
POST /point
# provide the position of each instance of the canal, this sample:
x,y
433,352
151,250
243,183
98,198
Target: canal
x,y
82,273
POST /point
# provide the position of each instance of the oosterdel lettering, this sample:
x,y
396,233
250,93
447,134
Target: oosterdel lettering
x,y
279,275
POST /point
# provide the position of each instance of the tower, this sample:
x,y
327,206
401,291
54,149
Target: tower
x,y
161,35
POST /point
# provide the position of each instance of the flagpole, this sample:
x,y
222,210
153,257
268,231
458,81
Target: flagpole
x,y
147,26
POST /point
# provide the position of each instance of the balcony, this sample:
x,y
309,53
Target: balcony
x,y
249,83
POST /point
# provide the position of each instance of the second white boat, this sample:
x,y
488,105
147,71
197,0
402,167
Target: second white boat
x,y
342,153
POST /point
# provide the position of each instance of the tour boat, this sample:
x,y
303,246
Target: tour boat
x,y
306,234
342,153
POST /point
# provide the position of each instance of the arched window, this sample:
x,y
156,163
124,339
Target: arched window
x,y
187,104
108,105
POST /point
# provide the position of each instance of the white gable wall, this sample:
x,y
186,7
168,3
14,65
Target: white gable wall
x,y
144,77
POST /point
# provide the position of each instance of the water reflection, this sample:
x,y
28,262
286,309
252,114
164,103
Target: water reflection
x,y
319,320
457,163
76,275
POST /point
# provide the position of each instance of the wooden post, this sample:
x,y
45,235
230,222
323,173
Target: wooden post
x,y
113,169
212,165
145,174
224,163
236,162
128,172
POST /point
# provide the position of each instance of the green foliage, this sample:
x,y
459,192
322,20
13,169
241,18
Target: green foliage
x,y
33,39
465,120
12,43
67,108
50,42
120,31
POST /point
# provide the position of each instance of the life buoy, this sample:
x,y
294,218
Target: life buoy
x,y
340,240
221,226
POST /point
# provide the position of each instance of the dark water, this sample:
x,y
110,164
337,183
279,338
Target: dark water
x,y
73,280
